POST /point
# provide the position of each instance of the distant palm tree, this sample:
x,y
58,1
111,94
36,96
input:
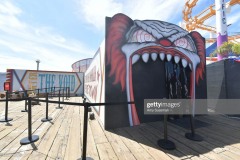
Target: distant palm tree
x,y
227,48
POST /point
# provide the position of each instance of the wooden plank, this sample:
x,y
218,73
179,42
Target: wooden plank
x,y
49,137
24,155
218,136
137,150
198,147
12,147
224,120
73,149
121,150
231,155
106,152
58,147
97,131
5,141
182,151
91,145
18,118
54,113
35,155
150,147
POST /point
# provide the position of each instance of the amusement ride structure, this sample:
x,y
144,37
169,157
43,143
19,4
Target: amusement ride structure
x,y
197,22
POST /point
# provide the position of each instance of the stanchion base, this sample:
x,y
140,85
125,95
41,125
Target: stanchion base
x,y
87,158
59,107
26,140
24,110
46,119
194,137
6,120
166,144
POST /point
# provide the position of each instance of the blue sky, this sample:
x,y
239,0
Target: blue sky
x,y
60,32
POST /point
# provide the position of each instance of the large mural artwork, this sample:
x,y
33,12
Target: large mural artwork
x,y
33,79
149,59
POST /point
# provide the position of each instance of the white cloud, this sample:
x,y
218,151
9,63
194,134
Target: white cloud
x,y
21,44
94,12
153,9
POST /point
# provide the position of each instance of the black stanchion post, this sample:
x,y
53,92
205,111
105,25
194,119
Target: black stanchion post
x,y
85,126
47,118
59,92
6,119
63,94
31,138
165,143
38,96
193,136
54,91
68,92
25,95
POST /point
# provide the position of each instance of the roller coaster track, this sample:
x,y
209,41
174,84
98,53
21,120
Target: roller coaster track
x,y
197,22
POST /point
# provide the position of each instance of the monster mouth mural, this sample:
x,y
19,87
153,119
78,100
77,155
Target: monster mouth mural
x,y
155,49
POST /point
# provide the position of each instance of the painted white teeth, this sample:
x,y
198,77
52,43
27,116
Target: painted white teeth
x,y
162,56
154,56
145,57
135,58
169,57
176,59
190,66
184,63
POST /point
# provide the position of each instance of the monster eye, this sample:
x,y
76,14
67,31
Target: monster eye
x,y
142,36
183,43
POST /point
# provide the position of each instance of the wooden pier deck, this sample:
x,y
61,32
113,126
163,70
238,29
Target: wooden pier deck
x,y
62,137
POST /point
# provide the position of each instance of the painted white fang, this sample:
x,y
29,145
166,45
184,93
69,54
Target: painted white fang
x,y
135,58
184,63
169,57
162,56
190,66
145,57
154,56
176,59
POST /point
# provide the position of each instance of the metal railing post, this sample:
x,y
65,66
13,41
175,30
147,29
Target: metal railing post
x,y
47,118
31,138
6,119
